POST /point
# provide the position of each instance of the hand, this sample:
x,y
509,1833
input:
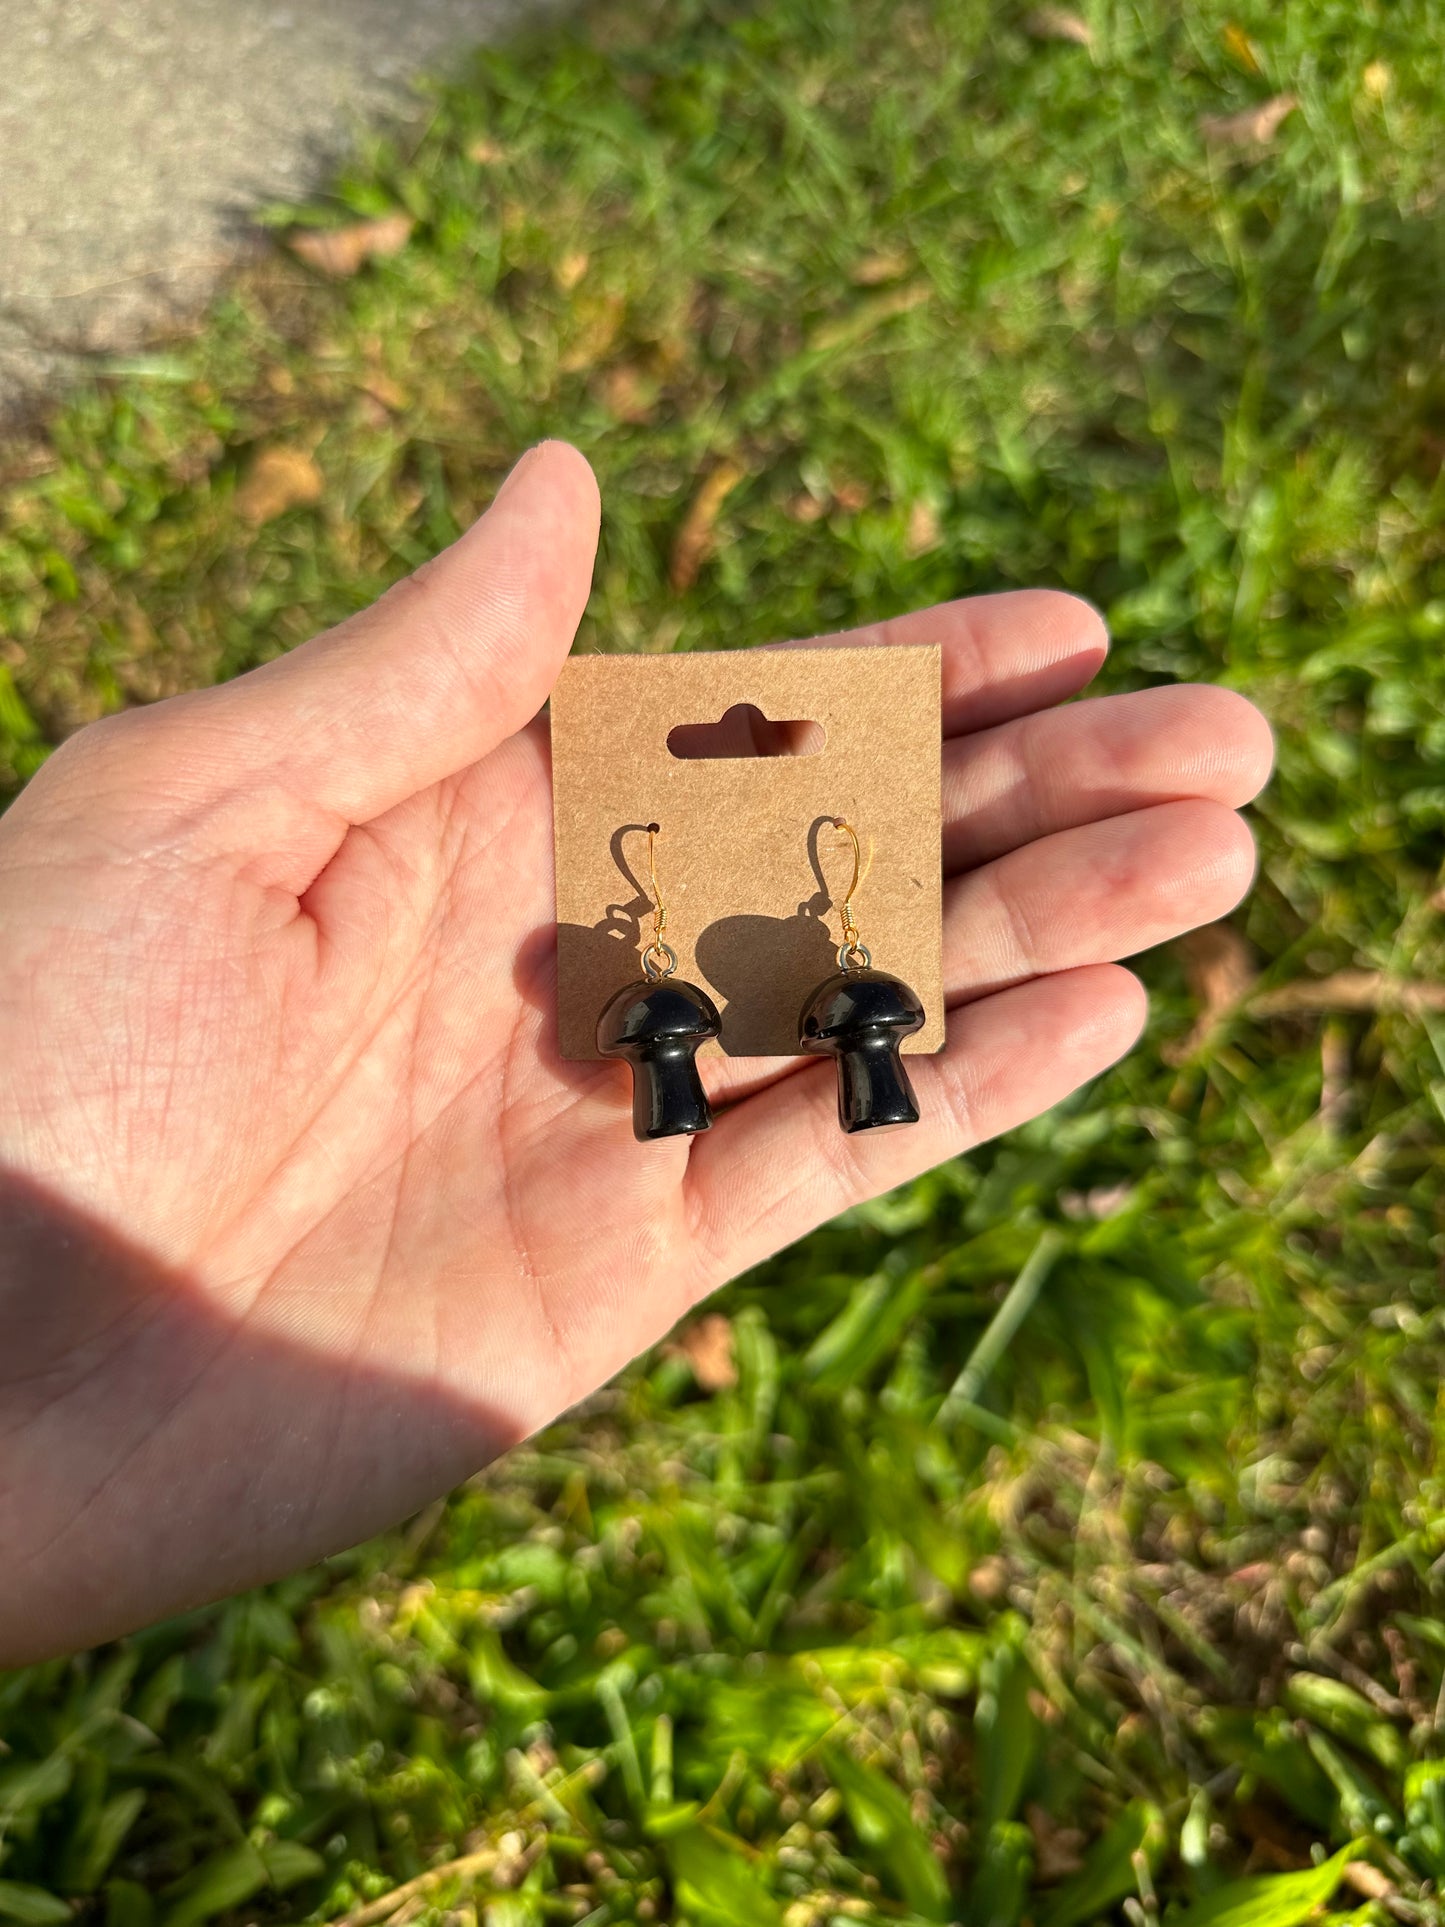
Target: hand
x,y
303,1217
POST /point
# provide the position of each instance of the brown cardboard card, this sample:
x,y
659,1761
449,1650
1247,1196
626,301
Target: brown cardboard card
x,y
750,865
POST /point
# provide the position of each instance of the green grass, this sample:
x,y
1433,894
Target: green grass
x,y
1154,1602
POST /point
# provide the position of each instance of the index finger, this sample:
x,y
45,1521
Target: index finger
x,y
1004,655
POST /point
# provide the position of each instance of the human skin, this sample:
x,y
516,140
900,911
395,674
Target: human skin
x,y
302,1218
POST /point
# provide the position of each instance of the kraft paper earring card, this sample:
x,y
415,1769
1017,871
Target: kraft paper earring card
x,y
744,758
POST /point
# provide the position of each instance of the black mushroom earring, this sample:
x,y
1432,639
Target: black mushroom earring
x,y
657,1027
860,1016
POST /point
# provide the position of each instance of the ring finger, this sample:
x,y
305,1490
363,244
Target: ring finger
x,y
1063,768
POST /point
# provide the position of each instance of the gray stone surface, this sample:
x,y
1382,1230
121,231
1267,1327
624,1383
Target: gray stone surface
x,y
136,135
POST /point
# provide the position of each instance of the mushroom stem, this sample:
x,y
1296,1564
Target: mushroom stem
x,y
873,1087
668,1099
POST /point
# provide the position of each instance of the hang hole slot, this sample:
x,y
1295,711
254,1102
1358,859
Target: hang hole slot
x,y
744,731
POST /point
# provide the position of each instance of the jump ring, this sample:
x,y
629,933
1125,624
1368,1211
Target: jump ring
x,y
854,956
659,960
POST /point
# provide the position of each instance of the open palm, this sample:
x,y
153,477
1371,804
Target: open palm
x,y
305,1216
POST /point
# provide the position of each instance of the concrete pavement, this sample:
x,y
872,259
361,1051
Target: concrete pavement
x,y
135,136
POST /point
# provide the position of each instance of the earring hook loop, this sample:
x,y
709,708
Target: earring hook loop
x,y
659,959
852,954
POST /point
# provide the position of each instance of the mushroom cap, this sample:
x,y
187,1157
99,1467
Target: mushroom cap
x,y
855,1005
644,1015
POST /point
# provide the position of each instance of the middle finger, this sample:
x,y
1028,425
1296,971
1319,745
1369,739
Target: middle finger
x,y
1062,768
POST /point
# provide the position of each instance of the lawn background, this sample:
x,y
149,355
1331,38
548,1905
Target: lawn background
x,y
856,307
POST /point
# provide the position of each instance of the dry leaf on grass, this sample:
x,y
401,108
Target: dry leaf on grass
x,y
387,1906
707,1345
1099,1202
626,392
570,270
486,152
340,251
1349,990
381,388
277,480
1368,1880
1218,966
1058,1849
989,1579
860,320
1219,970
1057,23
1258,1573
874,269
923,529
805,507
1240,48
596,321
1255,127
852,497
695,538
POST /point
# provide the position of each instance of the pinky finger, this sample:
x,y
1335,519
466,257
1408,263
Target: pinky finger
x,y
776,1165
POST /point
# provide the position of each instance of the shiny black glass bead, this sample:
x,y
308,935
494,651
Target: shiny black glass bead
x,y
861,1017
657,1027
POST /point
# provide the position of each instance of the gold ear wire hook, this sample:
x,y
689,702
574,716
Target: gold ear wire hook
x,y
659,959
659,908
851,949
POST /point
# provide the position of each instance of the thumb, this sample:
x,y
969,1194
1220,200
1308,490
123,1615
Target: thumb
x,y
447,664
